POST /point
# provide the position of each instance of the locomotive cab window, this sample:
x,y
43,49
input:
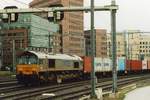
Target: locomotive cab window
x,y
51,63
32,60
28,59
76,64
22,60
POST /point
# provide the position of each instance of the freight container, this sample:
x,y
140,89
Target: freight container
x,y
144,64
102,64
107,64
87,64
133,65
98,64
121,63
148,64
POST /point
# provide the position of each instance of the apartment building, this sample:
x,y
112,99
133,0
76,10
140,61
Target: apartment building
x,y
72,34
100,42
132,45
120,45
144,46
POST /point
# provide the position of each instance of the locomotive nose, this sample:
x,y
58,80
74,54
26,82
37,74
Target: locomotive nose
x,y
27,69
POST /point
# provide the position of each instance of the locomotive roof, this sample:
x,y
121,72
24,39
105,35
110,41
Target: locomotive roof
x,y
43,55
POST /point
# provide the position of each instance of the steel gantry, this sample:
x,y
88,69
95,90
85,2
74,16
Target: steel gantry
x,y
66,9
112,8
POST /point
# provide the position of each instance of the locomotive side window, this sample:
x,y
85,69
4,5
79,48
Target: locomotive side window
x,y
51,63
76,64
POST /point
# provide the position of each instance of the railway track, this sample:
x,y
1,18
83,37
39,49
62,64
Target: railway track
x,y
8,84
78,92
67,91
7,79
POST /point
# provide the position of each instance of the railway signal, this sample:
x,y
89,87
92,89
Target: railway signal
x,y
112,8
10,17
56,15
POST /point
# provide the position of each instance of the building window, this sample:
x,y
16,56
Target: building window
x,y
14,34
140,42
140,50
143,43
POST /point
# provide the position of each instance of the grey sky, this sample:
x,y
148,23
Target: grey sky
x,y
129,16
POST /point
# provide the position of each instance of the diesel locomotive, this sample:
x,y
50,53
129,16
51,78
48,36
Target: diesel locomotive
x,y
35,67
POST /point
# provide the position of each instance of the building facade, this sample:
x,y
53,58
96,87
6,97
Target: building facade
x,y
144,48
132,45
29,32
120,45
100,42
72,25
